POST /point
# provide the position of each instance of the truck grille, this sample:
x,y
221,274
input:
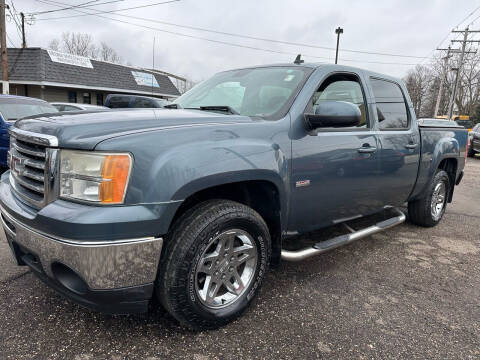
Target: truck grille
x,y
28,160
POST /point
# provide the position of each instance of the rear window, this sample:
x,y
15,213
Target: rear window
x,y
392,110
18,109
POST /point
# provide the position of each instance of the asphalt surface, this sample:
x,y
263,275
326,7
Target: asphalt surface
x,y
409,292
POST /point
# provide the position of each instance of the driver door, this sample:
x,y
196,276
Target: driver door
x,y
334,169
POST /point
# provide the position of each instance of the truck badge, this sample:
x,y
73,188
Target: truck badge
x,y
302,183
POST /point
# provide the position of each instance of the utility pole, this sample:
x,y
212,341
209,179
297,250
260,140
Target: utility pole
x,y
3,44
442,81
459,67
24,42
338,31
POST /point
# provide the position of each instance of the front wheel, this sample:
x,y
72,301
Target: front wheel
x,y
216,258
429,210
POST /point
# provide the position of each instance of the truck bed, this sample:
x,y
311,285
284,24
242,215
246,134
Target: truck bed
x,y
440,139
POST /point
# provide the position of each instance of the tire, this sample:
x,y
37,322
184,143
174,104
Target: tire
x,y
195,250
422,212
471,152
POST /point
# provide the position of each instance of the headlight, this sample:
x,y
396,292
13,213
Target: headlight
x,y
95,177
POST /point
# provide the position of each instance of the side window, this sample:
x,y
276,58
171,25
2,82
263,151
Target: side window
x,y
119,102
70,108
391,106
341,87
143,103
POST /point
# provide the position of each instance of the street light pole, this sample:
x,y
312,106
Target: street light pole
x,y
3,44
338,31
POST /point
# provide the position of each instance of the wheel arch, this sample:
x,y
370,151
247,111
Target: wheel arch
x,y
449,165
263,194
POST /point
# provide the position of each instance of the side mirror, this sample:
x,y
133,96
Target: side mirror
x,y
334,114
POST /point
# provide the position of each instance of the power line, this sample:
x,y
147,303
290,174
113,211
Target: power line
x,y
229,33
449,33
10,40
466,17
108,11
14,17
79,6
226,42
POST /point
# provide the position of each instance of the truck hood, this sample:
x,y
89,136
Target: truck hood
x,y
86,129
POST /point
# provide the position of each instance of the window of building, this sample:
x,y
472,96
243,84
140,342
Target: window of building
x,y
391,106
100,99
72,96
87,98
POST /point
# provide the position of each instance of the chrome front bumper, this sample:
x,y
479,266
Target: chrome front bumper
x,y
101,265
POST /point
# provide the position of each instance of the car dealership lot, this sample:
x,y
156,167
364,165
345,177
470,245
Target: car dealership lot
x,y
407,292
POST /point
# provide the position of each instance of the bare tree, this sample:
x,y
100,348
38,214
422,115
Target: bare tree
x,y
468,93
420,82
423,83
82,44
54,45
107,53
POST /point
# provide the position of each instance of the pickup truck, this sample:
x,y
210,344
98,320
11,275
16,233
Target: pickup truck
x,y
191,204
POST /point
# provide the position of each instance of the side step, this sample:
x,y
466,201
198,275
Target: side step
x,y
341,240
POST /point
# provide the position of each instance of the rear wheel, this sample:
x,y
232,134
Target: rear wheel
x,y
215,260
429,210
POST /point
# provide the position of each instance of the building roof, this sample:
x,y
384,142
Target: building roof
x,y
43,67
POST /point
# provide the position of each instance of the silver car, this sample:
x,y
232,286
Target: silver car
x,y
61,106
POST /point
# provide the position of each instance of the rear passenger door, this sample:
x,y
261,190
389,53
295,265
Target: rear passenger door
x,y
399,141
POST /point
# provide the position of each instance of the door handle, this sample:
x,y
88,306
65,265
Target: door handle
x,y
411,146
367,149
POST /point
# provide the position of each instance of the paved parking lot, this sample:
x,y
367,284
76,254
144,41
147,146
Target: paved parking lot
x,y
406,293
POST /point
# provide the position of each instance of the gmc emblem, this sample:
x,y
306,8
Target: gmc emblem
x,y
17,164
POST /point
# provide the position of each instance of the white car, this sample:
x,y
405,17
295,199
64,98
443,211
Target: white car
x,y
77,107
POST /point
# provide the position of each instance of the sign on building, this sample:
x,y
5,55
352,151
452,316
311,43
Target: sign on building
x,y
69,59
145,79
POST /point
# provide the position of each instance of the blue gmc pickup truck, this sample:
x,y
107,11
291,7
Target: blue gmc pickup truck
x,y
192,203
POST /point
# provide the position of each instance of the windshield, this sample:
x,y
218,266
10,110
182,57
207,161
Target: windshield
x,y
19,109
261,92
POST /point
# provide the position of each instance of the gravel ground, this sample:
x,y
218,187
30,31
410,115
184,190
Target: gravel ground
x,y
406,293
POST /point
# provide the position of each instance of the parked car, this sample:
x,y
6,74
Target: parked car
x,y
76,107
12,108
474,141
191,204
467,124
115,101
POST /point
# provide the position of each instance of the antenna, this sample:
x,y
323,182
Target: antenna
x,y
298,60
153,61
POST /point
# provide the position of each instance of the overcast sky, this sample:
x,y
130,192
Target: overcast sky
x,y
408,27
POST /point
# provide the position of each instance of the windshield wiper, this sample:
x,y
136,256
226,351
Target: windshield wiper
x,y
223,108
172,106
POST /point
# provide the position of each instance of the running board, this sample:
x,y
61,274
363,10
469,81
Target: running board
x,y
341,240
